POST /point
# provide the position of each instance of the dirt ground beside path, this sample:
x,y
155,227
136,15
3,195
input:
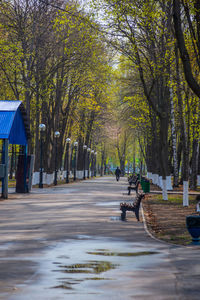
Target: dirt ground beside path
x,y
166,219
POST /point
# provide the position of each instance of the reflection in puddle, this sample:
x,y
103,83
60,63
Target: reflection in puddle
x,y
92,267
68,284
64,256
107,253
63,286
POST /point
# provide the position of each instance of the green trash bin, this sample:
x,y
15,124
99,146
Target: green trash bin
x,y
142,182
146,186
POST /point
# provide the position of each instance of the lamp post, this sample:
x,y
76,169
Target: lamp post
x,y
42,128
67,162
84,155
92,163
95,162
56,135
75,148
88,161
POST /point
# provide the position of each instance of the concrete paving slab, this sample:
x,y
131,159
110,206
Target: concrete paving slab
x,y
69,242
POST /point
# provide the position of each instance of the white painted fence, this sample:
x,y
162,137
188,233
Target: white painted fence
x,y
61,175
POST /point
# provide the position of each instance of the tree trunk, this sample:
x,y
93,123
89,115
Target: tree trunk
x,y
164,154
174,141
192,82
134,169
198,173
185,164
122,166
194,164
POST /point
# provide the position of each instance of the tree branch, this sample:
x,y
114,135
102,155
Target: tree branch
x,y
183,50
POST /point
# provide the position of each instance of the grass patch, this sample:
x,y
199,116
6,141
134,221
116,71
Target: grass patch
x,y
11,183
182,239
172,199
167,219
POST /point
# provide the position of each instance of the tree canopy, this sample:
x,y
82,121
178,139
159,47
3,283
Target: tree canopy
x,y
121,77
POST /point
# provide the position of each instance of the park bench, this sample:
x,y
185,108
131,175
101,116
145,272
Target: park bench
x,y
132,179
133,187
135,207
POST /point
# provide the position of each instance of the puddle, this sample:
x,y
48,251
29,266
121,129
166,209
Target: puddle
x,y
108,203
98,278
115,218
79,269
126,254
6,246
83,237
68,270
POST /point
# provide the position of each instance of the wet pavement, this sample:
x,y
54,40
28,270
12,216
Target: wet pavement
x,y
68,242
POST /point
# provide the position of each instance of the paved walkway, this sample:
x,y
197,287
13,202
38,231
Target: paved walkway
x,y
68,242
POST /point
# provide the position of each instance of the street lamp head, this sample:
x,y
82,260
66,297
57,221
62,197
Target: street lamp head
x,y
56,134
42,127
88,149
84,147
75,144
68,140
92,151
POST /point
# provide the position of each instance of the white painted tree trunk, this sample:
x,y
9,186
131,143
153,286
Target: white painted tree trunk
x,y
198,180
164,189
185,194
79,174
50,179
44,178
156,179
169,183
35,179
150,176
153,178
174,141
159,179
160,182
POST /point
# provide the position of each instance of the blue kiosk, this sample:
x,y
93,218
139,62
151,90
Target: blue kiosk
x,y
14,129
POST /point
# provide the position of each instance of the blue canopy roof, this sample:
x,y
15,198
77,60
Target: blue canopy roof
x,y
13,122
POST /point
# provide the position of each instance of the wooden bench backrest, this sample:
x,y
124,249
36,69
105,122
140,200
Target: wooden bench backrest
x,y
133,179
137,183
138,200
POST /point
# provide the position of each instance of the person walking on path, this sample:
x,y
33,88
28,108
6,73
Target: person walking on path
x,y
117,173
